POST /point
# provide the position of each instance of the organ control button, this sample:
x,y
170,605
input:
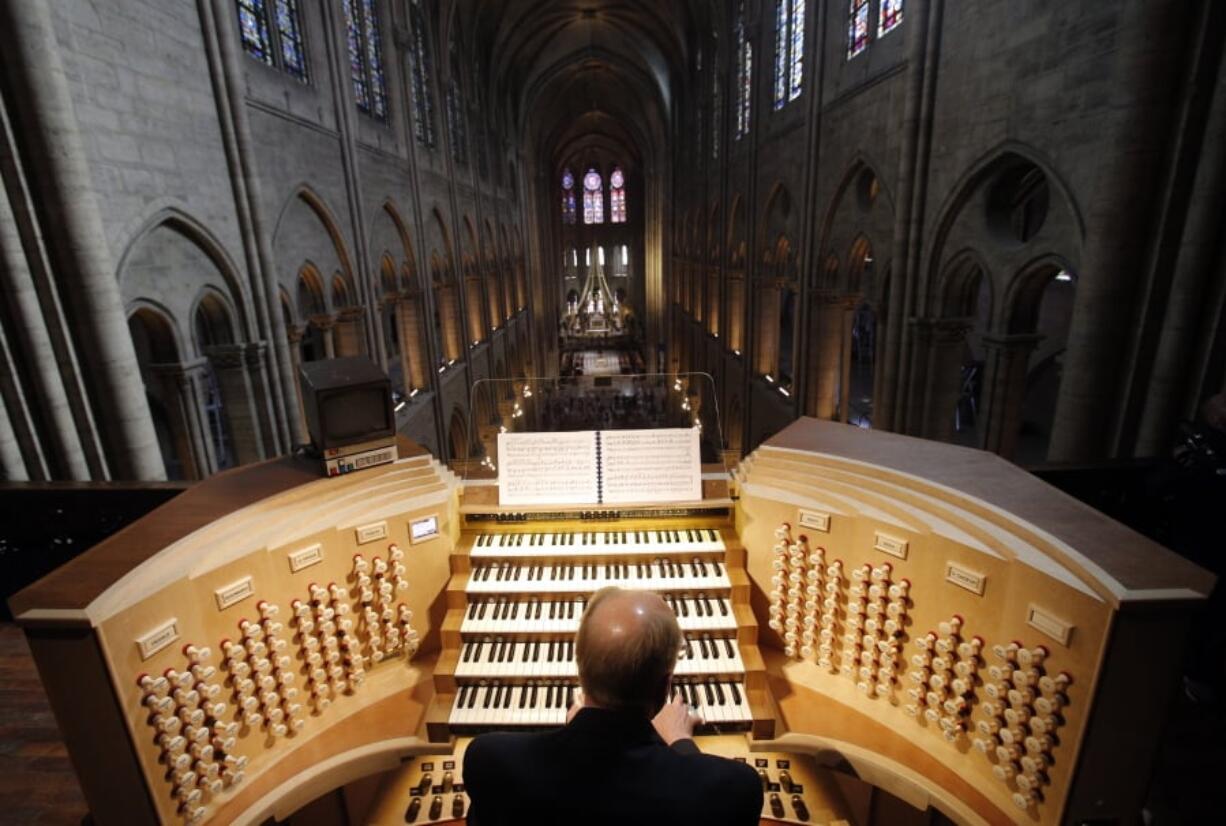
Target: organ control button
x,y
457,806
798,806
1023,800
411,813
776,804
436,807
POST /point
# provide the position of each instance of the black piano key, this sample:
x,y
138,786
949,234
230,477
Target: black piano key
x,y
489,698
728,648
723,607
736,693
523,697
472,610
570,696
532,696
710,694
689,648
706,652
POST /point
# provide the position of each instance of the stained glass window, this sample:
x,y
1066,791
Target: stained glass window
x,y
365,56
374,61
857,28
593,198
455,119
744,76
253,27
891,16
277,42
568,197
782,17
796,55
617,196
717,109
289,31
419,65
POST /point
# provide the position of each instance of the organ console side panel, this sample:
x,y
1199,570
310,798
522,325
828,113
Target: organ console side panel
x,y
996,661
237,647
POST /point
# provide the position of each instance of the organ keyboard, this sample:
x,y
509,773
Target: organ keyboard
x,y
940,620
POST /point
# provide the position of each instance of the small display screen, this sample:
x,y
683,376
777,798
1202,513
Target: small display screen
x,y
423,528
355,414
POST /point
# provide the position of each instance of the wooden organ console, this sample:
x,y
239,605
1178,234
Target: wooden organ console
x,y
932,618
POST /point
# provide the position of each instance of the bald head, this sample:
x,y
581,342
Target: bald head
x,y
626,648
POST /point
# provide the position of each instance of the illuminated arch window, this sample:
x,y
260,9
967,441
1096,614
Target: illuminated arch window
x,y
593,198
857,28
366,56
891,16
744,75
568,197
789,50
279,45
617,196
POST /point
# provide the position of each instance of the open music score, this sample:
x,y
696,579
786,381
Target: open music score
x,y
591,467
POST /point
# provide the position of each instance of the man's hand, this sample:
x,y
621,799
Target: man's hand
x,y
574,709
675,721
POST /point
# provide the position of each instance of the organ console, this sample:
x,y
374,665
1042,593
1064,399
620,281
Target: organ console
x,y
933,619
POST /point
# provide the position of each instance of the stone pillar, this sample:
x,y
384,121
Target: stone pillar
x,y
347,334
12,464
294,336
472,299
183,395
413,358
766,341
453,346
230,364
264,403
63,186
829,362
1006,359
327,327
849,304
1122,217
941,344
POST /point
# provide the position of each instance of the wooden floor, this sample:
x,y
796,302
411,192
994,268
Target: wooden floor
x,y
37,784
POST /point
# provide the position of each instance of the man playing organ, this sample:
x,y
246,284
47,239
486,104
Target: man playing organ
x,y
626,752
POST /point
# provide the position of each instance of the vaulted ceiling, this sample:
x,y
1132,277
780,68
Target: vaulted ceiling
x,y
575,74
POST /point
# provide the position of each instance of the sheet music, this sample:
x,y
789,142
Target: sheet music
x,y
659,465
548,468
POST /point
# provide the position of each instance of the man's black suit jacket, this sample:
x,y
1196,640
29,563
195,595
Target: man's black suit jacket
x,y
605,767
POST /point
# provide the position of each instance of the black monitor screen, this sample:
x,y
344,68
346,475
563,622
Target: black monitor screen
x,y
355,414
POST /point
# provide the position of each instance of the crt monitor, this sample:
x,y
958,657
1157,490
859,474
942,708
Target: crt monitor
x,y
347,401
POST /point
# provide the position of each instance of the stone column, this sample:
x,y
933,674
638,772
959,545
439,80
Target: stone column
x,y
413,357
1122,217
476,327
829,361
182,393
347,334
766,341
230,364
257,355
1006,359
453,346
12,464
941,344
294,336
63,186
849,304
327,327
